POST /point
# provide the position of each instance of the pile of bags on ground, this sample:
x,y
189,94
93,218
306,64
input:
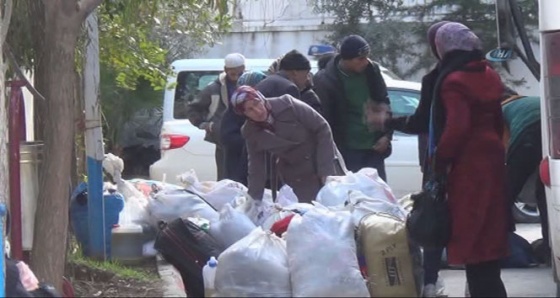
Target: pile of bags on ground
x,y
350,242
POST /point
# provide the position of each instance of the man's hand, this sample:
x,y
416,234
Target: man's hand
x,y
210,127
382,145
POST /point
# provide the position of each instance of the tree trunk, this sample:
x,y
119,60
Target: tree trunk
x,y
63,21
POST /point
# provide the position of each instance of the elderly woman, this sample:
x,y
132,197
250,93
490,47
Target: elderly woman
x,y
297,135
235,153
466,146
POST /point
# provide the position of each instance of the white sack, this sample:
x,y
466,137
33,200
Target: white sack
x,y
216,193
322,255
257,211
336,191
231,227
255,266
361,205
170,204
286,196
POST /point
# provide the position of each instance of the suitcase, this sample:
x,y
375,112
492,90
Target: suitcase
x,y
187,247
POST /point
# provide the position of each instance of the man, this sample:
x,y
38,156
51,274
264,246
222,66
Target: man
x,y
207,109
523,140
349,82
290,77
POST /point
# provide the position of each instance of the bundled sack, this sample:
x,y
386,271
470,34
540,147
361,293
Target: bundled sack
x,y
361,205
322,255
258,211
286,196
255,266
394,265
337,188
282,212
170,204
216,193
232,226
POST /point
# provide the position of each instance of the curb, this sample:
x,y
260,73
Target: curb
x,y
171,278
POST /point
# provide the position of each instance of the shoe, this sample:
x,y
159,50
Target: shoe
x,y
434,290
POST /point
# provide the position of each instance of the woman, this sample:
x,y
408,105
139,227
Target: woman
x,y
297,135
235,153
468,128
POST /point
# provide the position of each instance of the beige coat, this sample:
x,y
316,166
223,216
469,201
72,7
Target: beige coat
x,y
302,142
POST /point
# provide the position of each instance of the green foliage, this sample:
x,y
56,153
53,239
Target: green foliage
x,y
397,32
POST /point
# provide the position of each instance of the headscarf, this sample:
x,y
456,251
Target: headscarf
x,y
251,78
243,94
455,36
432,36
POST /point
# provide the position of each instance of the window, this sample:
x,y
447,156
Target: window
x,y
403,102
189,85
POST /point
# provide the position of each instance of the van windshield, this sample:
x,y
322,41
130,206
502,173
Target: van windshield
x,y
189,85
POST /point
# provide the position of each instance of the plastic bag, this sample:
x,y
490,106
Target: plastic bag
x,y
361,205
322,255
231,227
170,204
216,193
255,266
257,211
286,196
337,188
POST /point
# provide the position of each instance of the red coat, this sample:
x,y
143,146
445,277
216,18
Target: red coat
x,y
471,145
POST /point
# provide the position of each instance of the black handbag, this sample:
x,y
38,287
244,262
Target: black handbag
x,y
429,222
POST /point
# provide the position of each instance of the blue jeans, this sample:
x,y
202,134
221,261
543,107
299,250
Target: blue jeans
x,y
432,264
356,159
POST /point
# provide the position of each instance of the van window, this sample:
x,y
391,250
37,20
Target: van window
x,y
189,85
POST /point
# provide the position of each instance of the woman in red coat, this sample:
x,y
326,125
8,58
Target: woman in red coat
x,y
467,130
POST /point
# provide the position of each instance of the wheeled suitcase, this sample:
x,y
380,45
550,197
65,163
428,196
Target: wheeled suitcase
x,y
187,247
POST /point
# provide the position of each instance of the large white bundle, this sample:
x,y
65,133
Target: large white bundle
x,y
322,255
361,205
216,193
232,226
336,191
255,266
170,204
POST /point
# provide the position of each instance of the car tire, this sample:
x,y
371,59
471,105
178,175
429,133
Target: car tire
x,y
525,213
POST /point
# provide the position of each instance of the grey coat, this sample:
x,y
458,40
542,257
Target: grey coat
x,y
302,141
277,84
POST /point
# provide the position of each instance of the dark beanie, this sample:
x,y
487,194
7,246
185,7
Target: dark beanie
x,y
354,46
294,60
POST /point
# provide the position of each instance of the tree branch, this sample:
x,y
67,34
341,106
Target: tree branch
x,y
19,73
85,7
6,20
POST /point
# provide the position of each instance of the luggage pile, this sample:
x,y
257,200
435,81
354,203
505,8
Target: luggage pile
x,y
351,242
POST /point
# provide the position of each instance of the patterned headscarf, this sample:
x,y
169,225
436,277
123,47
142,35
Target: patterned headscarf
x,y
243,94
432,36
251,78
456,36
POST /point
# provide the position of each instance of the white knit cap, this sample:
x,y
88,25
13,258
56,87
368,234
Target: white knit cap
x,y
234,60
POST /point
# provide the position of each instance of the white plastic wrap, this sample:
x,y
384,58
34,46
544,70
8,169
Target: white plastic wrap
x,y
336,191
216,193
255,266
231,227
322,255
257,211
170,204
286,196
361,205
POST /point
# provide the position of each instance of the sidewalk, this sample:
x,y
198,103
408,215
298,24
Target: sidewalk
x,y
171,279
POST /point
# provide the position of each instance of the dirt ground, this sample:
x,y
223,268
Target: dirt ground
x,y
94,282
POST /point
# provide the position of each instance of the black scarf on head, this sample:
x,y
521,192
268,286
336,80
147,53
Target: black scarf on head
x,y
451,62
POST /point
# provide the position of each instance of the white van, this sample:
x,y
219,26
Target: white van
x,y
183,146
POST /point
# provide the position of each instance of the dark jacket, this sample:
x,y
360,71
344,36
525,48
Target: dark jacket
x,y
233,144
209,107
334,105
277,84
301,140
312,99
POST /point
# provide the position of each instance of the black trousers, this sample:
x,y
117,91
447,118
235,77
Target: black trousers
x,y
522,162
484,279
220,164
